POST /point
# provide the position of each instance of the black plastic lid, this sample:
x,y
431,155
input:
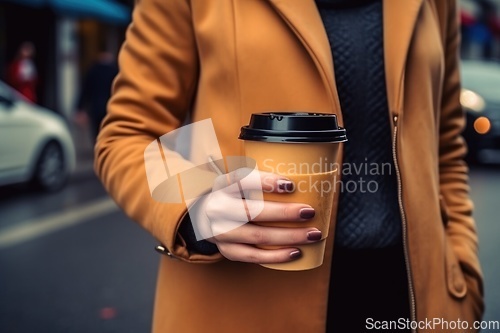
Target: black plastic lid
x,y
293,127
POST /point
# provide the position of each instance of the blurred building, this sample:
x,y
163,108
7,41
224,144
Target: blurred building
x,y
67,34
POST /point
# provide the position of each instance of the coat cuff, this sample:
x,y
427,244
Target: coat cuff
x,y
187,235
181,247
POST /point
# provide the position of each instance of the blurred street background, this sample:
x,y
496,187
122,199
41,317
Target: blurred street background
x,y
70,260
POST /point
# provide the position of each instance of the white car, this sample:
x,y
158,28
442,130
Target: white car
x,y
35,143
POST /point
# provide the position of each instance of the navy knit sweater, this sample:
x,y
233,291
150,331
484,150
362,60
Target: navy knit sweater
x,y
368,214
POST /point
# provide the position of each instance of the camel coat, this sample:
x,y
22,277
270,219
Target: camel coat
x,y
226,59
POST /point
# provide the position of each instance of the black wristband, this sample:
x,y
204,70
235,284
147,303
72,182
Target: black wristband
x,y
193,245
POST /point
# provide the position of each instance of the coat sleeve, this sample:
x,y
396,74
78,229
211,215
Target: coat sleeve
x,y
461,228
152,96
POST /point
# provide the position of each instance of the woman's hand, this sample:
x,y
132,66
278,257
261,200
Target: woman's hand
x,y
228,215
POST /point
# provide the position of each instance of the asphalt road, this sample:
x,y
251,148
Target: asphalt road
x,y
95,276
485,191
71,262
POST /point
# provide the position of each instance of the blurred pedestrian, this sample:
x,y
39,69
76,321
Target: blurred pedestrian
x,y
96,91
22,73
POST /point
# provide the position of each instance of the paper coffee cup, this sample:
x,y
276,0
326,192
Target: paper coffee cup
x,y
304,148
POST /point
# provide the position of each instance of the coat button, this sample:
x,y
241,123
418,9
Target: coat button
x,y
458,281
163,250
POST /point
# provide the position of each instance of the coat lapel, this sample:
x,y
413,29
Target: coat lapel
x,y
400,18
399,23
304,20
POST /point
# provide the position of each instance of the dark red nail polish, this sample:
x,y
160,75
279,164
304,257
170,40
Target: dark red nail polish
x,y
307,213
285,186
314,235
295,254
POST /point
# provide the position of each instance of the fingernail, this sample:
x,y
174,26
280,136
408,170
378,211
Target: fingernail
x,y
295,254
285,186
314,235
307,213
